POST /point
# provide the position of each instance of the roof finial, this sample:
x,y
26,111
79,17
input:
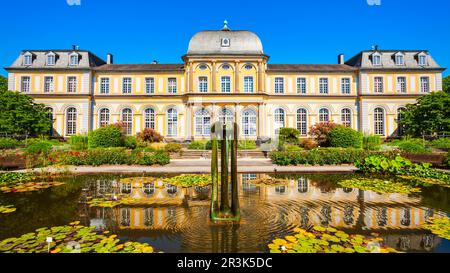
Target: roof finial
x,y
225,25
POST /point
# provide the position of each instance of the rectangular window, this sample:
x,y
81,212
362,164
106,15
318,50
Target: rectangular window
x,y
27,60
345,85
225,83
399,60
150,85
301,85
323,85
279,85
203,84
172,85
378,85
424,84
51,60
126,85
377,60
422,60
401,84
104,86
248,84
71,84
25,83
74,60
48,84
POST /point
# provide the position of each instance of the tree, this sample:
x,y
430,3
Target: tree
x,y
20,115
446,84
429,116
3,83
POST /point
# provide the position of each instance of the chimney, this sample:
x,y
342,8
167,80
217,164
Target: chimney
x,y
109,58
75,47
341,59
155,62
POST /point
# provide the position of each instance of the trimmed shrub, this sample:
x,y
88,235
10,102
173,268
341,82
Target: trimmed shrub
x,y
79,142
289,135
106,137
150,135
345,137
173,148
131,142
413,147
372,142
321,131
247,145
200,145
309,144
8,143
290,147
159,157
157,146
441,143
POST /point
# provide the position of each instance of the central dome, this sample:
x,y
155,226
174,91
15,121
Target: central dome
x,y
225,42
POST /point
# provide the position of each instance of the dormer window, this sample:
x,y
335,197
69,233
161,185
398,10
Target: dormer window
x,y
27,59
51,58
73,60
376,60
399,59
422,60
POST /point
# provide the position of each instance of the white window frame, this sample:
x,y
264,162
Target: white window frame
x,y
127,85
225,84
172,85
49,84
346,117
172,122
378,84
51,57
376,60
279,85
25,84
379,121
104,85
72,83
150,85
399,60
324,115
422,60
202,122
324,85
73,57
126,116
346,86
203,84
226,115
27,59
71,121
401,84
279,120
249,84
104,116
302,121
249,123
301,85
149,118
424,84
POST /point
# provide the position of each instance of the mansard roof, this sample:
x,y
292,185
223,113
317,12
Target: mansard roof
x,y
310,68
140,68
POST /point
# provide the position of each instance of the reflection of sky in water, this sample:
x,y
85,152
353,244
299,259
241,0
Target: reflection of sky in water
x,y
174,219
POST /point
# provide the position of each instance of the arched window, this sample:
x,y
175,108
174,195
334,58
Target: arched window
x,y
249,122
71,121
400,115
50,117
127,119
279,120
149,116
202,122
324,115
378,121
172,122
104,117
302,121
226,116
346,117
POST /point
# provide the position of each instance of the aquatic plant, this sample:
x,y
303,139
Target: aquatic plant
x,y
72,238
327,240
108,202
29,186
189,180
378,185
439,226
269,181
7,209
12,177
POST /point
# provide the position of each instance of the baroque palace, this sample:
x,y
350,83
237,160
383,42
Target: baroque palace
x,y
225,75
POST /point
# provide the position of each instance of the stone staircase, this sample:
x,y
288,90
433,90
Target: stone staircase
x,y
197,154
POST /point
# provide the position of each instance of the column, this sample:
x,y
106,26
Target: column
x,y
261,81
191,78
213,77
238,119
261,119
188,121
236,77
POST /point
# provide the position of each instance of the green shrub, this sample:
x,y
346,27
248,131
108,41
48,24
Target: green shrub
x,y
79,142
159,157
246,145
290,147
150,135
131,142
173,148
372,142
41,147
106,137
289,135
200,145
345,137
412,147
308,144
447,160
441,143
8,143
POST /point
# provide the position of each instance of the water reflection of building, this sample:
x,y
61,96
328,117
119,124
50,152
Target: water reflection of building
x,y
266,211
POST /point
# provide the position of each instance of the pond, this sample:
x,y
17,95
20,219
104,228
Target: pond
x,y
174,219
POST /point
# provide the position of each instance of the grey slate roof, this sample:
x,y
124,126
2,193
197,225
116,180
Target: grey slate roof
x,y
86,60
310,68
140,68
364,59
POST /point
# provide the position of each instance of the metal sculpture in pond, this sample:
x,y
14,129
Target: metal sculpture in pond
x,y
224,136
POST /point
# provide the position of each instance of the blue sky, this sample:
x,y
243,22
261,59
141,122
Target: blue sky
x,y
291,31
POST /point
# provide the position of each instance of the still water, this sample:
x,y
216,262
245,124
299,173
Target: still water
x,y
177,220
